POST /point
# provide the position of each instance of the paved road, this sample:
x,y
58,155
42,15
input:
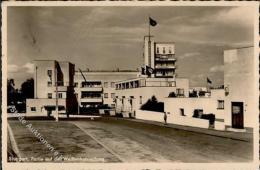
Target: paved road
x,y
127,141
138,142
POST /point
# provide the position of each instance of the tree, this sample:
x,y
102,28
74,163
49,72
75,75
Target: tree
x,y
11,92
172,94
193,94
153,105
27,89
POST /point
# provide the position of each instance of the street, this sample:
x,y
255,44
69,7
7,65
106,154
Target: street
x,y
118,140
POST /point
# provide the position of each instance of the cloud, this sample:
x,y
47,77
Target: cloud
x,y
12,68
217,68
188,55
29,67
238,15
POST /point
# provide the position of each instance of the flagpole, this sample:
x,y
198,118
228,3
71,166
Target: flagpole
x,y
149,33
149,43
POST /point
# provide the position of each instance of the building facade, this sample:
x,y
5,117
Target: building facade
x,y
99,87
186,106
53,80
132,94
240,81
160,56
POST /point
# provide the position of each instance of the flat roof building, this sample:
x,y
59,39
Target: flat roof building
x,y
99,87
240,81
48,74
160,56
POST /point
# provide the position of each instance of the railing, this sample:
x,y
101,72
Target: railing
x,y
89,89
165,55
165,66
92,99
165,59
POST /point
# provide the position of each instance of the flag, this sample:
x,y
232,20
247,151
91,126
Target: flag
x,y
209,81
152,22
149,70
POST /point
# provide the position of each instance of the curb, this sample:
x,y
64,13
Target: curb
x,y
13,142
186,128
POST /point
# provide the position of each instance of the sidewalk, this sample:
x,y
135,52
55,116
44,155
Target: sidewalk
x,y
242,136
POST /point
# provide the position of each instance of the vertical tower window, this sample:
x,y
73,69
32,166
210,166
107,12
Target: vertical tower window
x,y
49,72
60,95
157,50
163,50
49,95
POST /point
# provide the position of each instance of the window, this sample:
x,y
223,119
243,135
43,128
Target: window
x,y
33,109
112,95
140,100
220,104
105,95
60,95
163,50
170,50
123,99
106,84
49,73
49,83
113,84
182,112
180,92
49,95
157,50
172,84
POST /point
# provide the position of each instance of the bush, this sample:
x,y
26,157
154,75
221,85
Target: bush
x,y
172,94
210,117
153,105
193,94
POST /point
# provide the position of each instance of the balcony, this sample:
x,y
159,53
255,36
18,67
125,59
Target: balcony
x,y
92,89
165,67
92,100
165,55
165,59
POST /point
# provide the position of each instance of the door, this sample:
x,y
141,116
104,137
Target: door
x,y
237,110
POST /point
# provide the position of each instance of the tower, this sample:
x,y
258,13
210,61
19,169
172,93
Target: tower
x,y
160,56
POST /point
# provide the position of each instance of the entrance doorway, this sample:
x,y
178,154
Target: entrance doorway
x,y
237,109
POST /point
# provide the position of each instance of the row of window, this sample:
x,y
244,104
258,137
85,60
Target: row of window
x,y
49,95
95,84
95,95
164,50
112,95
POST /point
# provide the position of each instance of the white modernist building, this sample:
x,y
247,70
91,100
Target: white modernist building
x,y
132,94
99,87
240,81
159,81
53,83
235,107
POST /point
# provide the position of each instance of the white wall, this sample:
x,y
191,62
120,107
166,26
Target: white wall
x,y
171,118
39,104
147,92
241,77
207,104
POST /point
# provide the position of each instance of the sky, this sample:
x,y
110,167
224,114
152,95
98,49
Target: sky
x,y
107,38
